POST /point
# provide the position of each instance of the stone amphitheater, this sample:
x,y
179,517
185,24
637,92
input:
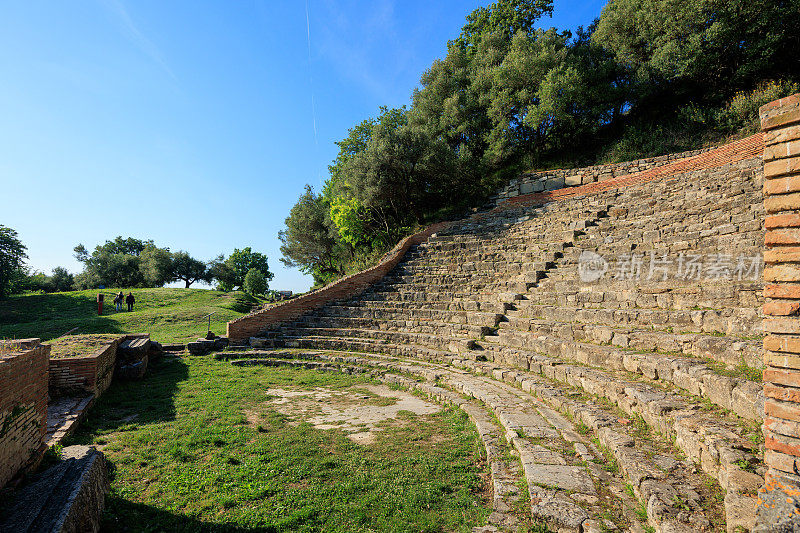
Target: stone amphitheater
x,y
610,329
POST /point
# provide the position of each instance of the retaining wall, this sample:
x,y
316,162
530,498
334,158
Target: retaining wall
x,y
23,407
88,374
243,328
549,180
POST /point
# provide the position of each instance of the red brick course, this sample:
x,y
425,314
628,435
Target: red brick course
x,y
779,121
87,374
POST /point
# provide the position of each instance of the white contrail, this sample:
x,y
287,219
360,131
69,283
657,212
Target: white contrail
x,y
311,77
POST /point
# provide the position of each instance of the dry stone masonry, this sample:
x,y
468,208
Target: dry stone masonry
x,y
550,180
632,309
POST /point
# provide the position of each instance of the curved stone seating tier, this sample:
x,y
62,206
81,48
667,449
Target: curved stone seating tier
x,y
505,294
587,467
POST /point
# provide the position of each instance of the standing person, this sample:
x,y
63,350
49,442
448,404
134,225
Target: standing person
x,y
130,300
118,300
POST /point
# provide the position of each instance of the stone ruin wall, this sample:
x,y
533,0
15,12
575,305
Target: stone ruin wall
x,y
550,180
91,374
23,407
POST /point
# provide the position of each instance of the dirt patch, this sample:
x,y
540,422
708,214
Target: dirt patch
x,y
360,411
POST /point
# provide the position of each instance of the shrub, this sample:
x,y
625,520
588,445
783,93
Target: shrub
x,y
741,111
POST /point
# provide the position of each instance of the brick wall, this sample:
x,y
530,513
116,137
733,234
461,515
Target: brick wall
x,y
23,408
549,180
243,328
88,374
780,121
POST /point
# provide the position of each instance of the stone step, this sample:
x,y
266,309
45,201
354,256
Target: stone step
x,y
388,324
725,446
737,322
721,443
458,305
711,441
622,295
475,318
741,396
558,461
434,340
728,350
403,327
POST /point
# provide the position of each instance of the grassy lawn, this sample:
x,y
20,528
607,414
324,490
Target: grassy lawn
x,y
188,455
169,315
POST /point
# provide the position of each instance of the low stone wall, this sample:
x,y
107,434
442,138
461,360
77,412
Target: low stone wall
x,y
23,407
69,497
89,374
243,328
550,180
749,148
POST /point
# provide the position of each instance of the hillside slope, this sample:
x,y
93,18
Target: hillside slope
x,y
169,315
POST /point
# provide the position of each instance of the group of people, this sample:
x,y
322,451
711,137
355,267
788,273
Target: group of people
x,y
120,298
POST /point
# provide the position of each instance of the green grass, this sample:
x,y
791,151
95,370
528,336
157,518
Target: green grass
x,y
169,315
185,458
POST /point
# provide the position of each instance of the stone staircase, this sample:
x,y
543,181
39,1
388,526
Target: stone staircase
x,y
656,368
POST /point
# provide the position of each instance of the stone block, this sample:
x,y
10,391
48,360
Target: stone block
x,y
66,498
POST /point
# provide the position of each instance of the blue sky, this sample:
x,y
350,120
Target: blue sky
x,y
197,124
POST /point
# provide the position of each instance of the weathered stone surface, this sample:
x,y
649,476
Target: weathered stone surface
x,y
66,498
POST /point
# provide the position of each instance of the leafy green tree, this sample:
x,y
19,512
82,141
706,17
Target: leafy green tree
x,y
310,241
12,261
61,280
230,273
504,17
709,48
254,282
188,269
220,271
125,262
156,265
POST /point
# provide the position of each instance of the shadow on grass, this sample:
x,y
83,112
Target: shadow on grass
x,y
150,400
124,515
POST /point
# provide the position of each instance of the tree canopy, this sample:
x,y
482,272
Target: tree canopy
x,y
646,78
12,261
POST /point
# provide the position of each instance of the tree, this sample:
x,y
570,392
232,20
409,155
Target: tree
x,y
310,241
124,262
61,280
254,282
115,263
156,266
241,261
221,271
504,17
188,269
12,261
230,272
704,48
